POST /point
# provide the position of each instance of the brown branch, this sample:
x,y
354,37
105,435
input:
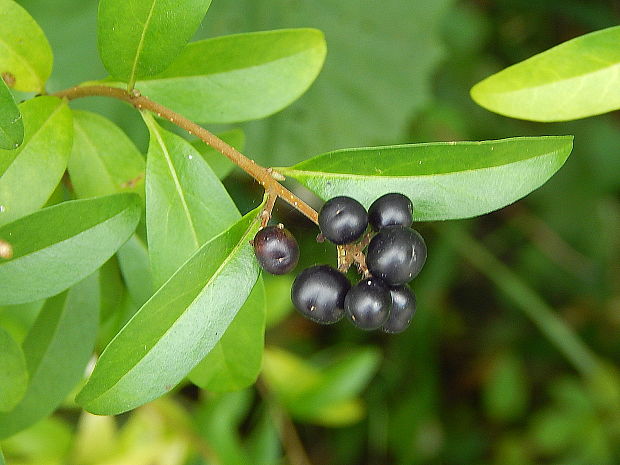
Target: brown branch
x,y
265,177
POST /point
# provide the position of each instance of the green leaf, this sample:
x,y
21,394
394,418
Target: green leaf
x,y
29,174
57,350
235,361
13,372
379,71
220,164
444,180
11,124
133,259
25,55
140,38
239,77
104,160
79,236
186,204
1,458
573,80
178,326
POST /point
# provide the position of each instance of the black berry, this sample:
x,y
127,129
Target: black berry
x,y
276,249
319,292
403,308
396,255
368,303
343,220
391,210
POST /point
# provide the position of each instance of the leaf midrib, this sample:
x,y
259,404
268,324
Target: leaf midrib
x,y
216,273
24,62
177,185
525,86
207,75
132,76
292,172
84,231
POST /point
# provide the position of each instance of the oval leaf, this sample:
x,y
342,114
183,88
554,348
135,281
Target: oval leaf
x,y
25,54
178,326
133,259
57,349
186,204
239,77
235,361
573,80
13,372
58,246
140,38
29,174
104,160
11,124
444,180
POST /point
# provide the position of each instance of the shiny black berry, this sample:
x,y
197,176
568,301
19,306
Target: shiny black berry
x,y
343,220
319,292
391,210
276,249
403,308
396,255
368,303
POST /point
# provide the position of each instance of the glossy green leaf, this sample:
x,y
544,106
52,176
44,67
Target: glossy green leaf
x,y
133,258
111,287
221,165
29,174
80,236
104,160
573,80
178,326
444,180
11,124
239,77
13,372
57,350
25,54
140,38
186,204
235,361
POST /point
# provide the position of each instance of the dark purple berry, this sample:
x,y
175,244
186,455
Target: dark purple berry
x,y
318,293
368,303
403,308
343,220
391,210
396,255
276,249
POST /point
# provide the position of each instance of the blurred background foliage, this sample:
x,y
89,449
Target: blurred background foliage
x,y
512,357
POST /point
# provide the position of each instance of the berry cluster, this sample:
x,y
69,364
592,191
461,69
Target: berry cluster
x,y
395,255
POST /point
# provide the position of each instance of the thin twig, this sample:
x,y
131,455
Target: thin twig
x,y
266,177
